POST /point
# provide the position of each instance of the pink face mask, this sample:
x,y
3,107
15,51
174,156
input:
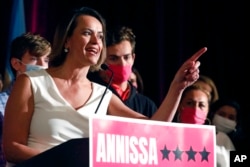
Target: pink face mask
x,y
121,73
192,116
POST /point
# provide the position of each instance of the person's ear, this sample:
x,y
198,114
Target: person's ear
x,y
15,63
133,57
66,44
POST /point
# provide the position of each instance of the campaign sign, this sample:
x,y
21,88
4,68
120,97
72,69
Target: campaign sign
x,y
120,142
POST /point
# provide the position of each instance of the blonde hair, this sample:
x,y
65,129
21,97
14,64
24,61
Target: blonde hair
x,y
207,80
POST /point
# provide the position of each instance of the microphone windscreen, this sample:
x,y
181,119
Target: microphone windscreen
x,y
104,66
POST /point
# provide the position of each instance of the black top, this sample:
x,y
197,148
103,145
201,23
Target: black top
x,y
135,101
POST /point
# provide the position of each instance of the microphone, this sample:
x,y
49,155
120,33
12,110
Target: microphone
x,y
105,67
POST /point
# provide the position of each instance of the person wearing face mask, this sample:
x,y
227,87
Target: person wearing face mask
x,y
193,109
194,106
31,67
225,115
120,59
28,52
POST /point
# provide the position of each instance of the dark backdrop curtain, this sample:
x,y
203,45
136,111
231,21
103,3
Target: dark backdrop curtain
x,y
167,33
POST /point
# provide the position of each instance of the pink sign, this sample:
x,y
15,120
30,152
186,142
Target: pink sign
x,y
120,142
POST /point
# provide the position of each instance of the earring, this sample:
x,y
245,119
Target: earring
x,y
66,50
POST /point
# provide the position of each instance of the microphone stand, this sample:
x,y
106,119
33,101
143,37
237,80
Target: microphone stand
x,y
105,67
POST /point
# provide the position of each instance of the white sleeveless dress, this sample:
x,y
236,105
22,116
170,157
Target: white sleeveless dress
x,y
54,120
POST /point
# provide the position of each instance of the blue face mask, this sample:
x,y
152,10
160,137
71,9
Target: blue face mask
x,y
31,67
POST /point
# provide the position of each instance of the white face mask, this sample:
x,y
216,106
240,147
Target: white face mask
x,y
223,124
